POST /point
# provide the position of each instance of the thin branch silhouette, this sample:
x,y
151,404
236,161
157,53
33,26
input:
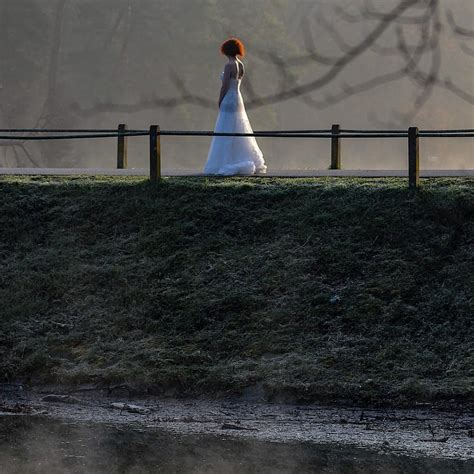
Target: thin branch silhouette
x,y
467,50
455,28
410,35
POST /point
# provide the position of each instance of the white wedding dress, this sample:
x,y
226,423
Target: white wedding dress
x,y
234,155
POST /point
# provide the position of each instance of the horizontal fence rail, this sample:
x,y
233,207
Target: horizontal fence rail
x,y
335,134
343,133
445,135
75,137
62,130
172,133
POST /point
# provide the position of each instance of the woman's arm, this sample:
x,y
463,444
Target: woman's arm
x,y
225,82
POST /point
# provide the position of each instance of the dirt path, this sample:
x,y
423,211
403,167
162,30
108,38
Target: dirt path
x,y
417,432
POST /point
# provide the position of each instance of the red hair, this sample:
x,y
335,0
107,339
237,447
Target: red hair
x,y
233,47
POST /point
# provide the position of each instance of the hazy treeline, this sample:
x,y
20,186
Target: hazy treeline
x,y
96,63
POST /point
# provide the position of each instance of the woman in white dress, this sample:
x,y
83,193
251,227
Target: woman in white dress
x,y
233,155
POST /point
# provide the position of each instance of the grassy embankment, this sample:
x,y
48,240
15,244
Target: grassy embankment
x,y
342,290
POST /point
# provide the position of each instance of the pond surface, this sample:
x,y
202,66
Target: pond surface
x,y
31,444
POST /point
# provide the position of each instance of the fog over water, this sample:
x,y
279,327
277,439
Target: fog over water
x,y
33,444
98,63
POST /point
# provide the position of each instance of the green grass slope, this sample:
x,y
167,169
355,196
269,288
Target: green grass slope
x,y
334,290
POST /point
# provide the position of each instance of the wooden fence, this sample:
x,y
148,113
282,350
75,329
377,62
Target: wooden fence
x,y
335,134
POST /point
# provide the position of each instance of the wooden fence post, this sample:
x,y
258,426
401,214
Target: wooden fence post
x,y
413,158
335,148
155,153
122,148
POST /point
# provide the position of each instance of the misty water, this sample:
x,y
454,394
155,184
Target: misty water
x,y
42,445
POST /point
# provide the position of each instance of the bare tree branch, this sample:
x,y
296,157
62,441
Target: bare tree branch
x,y
110,37
54,58
370,12
449,85
28,155
455,28
467,50
418,47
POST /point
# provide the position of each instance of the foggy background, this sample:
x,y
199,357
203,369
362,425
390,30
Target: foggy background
x,y
98,63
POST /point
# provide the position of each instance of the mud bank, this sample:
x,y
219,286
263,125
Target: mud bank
x,y
416,432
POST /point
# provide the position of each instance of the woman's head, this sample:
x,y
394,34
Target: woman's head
x,y
233,47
